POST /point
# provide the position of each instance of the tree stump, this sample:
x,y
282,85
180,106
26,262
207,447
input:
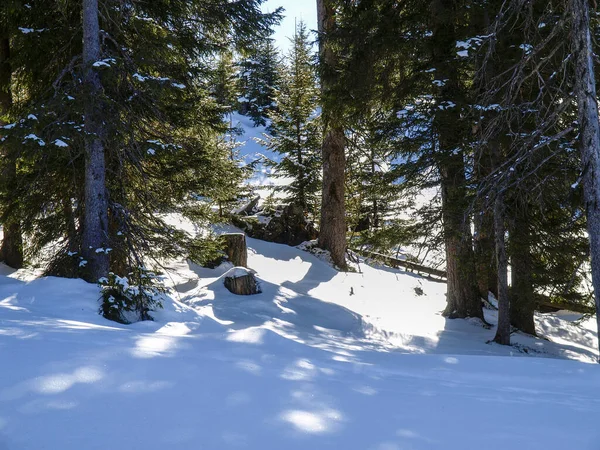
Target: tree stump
x,y
241,281
235,247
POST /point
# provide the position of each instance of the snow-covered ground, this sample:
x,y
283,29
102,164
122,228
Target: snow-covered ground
x,y
319,360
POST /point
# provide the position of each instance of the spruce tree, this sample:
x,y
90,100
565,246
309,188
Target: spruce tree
x,y
296,127
11,250
259,80
332,226
163,153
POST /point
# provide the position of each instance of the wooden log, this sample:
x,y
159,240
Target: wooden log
x,y
235,247
396,263
543,303
241,281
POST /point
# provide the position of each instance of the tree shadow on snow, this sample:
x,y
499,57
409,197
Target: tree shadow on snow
x,y
279,305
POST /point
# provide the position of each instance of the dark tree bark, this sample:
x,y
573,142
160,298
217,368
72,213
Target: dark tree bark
x,y
235,247
485,244
332,229
484,241
11,251
95,226
522,299
449,129
485,260
462,293
242,285
503,330
589,133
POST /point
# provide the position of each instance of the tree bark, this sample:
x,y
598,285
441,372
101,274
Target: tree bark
x,y
449,129
589,134
11,251
235,247
462,293
522,296
503,330
332,229
95,226
242,285
484,241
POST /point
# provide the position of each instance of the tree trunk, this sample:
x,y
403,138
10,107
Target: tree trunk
x,y
332,229
522,296
449,129
484,242
235,247
589,134
11,251
242,283
462,293
95,226
503,330
485,260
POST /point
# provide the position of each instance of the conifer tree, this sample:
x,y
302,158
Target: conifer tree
x,y
259,80
165,150
11,250
373,191
296,127
95,220
224,82
332,226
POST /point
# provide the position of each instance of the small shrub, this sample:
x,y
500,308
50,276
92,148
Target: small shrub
x,y
130,299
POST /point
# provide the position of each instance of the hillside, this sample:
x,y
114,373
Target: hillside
x,y
303,365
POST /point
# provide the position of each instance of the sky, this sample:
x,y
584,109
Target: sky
x,y
300,9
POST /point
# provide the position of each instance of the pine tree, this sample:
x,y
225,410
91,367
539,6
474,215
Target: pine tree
x,y
163,153
374,204
11,251
95,220
296,126
259,80
224,82
585,92
332,226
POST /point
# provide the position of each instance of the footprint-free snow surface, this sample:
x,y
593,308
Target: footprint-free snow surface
x,y
319,360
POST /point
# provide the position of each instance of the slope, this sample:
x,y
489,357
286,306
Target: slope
x,y
303,365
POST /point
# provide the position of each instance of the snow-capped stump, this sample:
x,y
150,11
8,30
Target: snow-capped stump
x,y
235,247
241,281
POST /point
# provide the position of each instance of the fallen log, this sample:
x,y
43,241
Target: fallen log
x,y
409,265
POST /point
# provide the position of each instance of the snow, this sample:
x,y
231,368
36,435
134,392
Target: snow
x,y
60,143
305,364
33,137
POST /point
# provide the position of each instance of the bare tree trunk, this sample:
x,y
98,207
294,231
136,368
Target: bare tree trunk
x,y
589,134
11,251
95,226
235,247
332,229
503,330
484,242
462,294
522,299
